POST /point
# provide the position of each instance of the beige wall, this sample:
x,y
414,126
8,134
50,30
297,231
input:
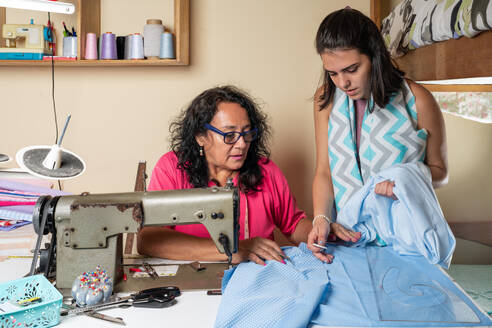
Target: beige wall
x,y
120,115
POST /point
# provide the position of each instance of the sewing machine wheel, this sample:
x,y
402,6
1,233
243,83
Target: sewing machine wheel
x,y
45,207
44,203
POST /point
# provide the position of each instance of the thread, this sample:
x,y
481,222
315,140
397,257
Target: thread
x,y
167,46
120,46
108,45
91,46
70,46
135,46
152,38
127,47
99,45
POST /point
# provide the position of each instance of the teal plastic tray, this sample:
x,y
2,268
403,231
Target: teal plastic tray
x,y
45,313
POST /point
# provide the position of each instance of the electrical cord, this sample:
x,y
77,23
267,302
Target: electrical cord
x,y
53,88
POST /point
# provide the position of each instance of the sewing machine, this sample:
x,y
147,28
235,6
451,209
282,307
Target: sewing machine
x,y
87,229
25,41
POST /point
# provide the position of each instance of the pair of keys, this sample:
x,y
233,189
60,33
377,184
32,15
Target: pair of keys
x,y
160,297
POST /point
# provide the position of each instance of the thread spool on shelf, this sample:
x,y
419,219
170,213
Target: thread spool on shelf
x,y
152,38
167,46
108,46
91,46
134,48
120,46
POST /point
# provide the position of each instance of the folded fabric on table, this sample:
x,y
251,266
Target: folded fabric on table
x,y
413,224
28,188
364,286
275,295
7,225
17,201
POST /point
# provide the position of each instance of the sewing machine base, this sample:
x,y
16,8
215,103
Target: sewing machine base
x,y
186,279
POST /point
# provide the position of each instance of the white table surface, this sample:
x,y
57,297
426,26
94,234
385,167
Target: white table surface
x,y
193,309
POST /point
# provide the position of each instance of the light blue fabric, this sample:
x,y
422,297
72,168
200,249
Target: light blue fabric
x,y
275,295
413,224
354,300
300,293
388,136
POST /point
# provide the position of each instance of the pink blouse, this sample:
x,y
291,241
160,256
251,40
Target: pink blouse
x,y
272,206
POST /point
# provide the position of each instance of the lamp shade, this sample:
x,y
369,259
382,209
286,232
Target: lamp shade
x,y
40,5
50,162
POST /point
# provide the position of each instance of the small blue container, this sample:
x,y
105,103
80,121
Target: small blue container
x,y
45,313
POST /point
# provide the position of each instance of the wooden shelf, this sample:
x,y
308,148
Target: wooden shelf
x,y
89,20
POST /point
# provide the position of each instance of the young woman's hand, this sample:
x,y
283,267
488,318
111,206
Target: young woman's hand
x,y
319,235
385,188
345,234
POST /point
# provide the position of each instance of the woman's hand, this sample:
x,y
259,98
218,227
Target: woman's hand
x,y
385,188
258,250
345,234
319,235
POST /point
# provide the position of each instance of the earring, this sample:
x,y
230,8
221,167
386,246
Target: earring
x,y
201,150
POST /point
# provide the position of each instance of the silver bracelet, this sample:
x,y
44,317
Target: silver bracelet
x,y
322,216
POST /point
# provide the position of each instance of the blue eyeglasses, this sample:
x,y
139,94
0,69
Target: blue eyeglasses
x,y
232,137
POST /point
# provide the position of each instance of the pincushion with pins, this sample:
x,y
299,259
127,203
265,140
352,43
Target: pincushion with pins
x,y
92,287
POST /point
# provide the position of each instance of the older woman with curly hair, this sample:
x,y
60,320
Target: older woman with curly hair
x,y
221,135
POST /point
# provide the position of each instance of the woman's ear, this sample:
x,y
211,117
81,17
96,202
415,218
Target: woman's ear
x,y
200,139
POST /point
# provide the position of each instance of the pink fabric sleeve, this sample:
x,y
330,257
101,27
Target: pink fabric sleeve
x,y
287,214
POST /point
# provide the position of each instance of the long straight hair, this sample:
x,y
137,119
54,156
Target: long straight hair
x,y
350,29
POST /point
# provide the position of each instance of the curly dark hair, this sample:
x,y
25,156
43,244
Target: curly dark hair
x,y
350,29
190,123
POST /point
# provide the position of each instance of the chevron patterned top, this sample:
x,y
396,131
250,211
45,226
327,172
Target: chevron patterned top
x,y
389,136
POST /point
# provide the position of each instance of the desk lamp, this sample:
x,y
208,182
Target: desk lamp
x,y
41,5
51,162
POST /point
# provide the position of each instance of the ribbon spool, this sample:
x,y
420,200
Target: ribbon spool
x,y
152,38
108,46
91,46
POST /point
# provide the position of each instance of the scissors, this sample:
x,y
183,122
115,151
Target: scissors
x,y
160,297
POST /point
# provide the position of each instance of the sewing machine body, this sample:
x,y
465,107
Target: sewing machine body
x,y
89,228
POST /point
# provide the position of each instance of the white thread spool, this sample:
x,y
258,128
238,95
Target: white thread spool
x,y
152,38
135,45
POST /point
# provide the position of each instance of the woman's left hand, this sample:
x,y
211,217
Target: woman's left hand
x,y
385,188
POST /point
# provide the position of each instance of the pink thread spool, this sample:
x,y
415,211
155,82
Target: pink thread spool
x,y
91,46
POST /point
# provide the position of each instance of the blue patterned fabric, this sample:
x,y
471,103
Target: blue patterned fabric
x,y
275,295
413,224
364,286
388,136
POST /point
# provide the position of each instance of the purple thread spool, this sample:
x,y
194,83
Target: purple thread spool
x,y
108,46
